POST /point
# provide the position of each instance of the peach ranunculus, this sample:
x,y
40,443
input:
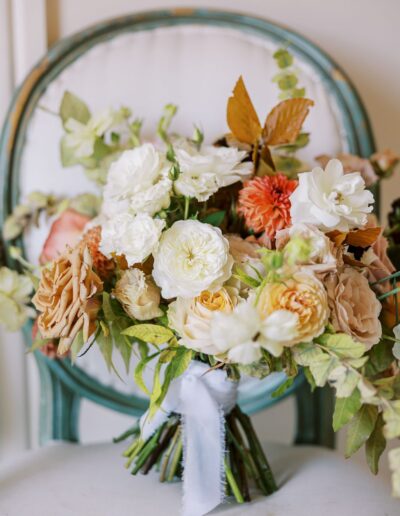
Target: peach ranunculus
x,y
354,306
191,318
67,298
65,231
264,203
323,255
302,294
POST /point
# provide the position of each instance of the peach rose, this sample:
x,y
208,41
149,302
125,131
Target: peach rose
x,y
354,307
65,231
302,294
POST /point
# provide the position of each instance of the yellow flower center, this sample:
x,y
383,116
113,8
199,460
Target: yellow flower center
x,y
215,301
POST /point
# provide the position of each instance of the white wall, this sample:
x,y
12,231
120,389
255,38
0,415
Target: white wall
x,y
360,34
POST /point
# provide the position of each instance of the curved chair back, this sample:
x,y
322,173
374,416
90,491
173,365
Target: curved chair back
x,y
191,58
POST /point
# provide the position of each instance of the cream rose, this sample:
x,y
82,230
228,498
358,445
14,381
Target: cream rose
x,y
302,294
191,318
354,307
190,258
138,294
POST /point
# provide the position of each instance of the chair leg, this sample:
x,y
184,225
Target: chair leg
x,y
59,407
314,416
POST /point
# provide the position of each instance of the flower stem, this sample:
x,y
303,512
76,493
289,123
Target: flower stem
x,y
232,483
147,450
164,466
187,204
175,460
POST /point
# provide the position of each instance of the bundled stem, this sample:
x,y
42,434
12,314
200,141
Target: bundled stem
x,y
245,462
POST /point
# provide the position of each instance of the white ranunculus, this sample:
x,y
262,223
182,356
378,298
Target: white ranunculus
x,y
191,318
80,138
138,294
330,199
192,257
237,329
277,330
135,237
138,181
206,170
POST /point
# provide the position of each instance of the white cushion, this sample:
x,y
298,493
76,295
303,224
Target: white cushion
x,y
74,480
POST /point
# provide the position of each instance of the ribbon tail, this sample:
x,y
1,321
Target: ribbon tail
x,y
204,448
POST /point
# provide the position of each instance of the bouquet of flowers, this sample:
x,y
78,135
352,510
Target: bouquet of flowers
x,y
209,262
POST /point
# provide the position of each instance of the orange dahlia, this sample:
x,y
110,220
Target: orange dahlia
x,y
264,203
103,265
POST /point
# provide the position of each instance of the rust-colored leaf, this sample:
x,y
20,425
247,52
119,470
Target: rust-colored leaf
x,y
284,122
266,165
348,260
337,237
363,237
241,116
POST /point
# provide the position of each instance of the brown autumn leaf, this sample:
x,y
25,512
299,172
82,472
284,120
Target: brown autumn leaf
x,y
337,237
241,116
284,122
363,237
348,260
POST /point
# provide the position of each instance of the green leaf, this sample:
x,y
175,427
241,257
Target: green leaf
x,y
105,344
151,333
101,150
214,219
309,378
344,380
342,345
73,107
139,369
107,308
322,368
345,408
375,446
87,204
287,81
360,428
121,342
283,388
67,154
391,416
38,343
76,346
245,278
307,353
380,358
155,397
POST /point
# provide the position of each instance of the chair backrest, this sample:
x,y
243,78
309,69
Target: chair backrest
x,y
191,58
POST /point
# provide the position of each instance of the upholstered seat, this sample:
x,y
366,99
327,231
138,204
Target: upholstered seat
x,y
65,479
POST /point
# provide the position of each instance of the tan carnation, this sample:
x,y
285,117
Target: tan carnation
x,y
67,298
354,307
302,294
138,294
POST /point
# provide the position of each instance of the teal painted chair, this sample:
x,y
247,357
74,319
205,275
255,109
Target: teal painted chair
x,y
191,58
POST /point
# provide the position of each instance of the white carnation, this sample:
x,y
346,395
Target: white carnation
x,y
135,237
330,199
191,257
205,171
138,181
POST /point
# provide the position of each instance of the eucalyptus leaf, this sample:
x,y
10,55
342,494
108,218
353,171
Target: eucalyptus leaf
x,y
360,428
345,408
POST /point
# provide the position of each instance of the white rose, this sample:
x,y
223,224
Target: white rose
x,y
191,318
135,237
330,199
205,171
191,257
138,181
138,294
